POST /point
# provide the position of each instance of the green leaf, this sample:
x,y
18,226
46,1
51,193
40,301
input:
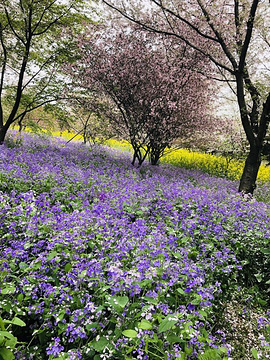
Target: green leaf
x,y
210,354
118,302
92,326
68,267
151,300
145,325
130,333
52,255
37,265
180,291
189,350
203,313
258,277
82,274
223,349
8,290
20,297
61,315
167,323
99,345
196,301
174,339
61,357
23,265
11,343
17,321
6,354
254,353
122,301
188,326
261,301
7,335
265,251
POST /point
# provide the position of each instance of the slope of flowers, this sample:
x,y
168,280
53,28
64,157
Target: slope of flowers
x,y
212,164
101,260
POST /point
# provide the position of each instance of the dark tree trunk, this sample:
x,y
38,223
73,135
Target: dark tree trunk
x,y
250,172
154,157
134,158
253,161
3,132
136,155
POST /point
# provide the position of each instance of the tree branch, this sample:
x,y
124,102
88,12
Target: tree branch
x,y
3,70
237,24
28,109
38,72
53,22
13,30
265,119
250,24
42,15
255,97
185,21
218,35
168,33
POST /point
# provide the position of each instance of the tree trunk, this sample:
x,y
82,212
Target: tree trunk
x,y
3,132
250,172
154,157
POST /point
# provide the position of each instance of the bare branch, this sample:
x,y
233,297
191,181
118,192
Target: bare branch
x,y
30,109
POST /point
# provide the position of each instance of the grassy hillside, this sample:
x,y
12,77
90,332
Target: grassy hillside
x,y
100,260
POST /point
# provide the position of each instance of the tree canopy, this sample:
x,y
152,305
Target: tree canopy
x,y
35,37
233,35
155,87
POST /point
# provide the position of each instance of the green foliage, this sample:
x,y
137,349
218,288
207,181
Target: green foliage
x,y
213,354
254,253
36,39
7,340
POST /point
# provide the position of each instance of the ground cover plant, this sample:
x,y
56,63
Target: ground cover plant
x,y
101,260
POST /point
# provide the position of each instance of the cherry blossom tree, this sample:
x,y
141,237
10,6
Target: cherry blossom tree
x,y
154,87
238,45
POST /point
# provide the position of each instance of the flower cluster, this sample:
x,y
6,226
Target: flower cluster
x,y
101,259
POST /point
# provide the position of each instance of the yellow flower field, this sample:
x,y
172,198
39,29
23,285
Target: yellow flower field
x,y
67,135
212,164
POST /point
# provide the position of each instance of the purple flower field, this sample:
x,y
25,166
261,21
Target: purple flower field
x,y
100,260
